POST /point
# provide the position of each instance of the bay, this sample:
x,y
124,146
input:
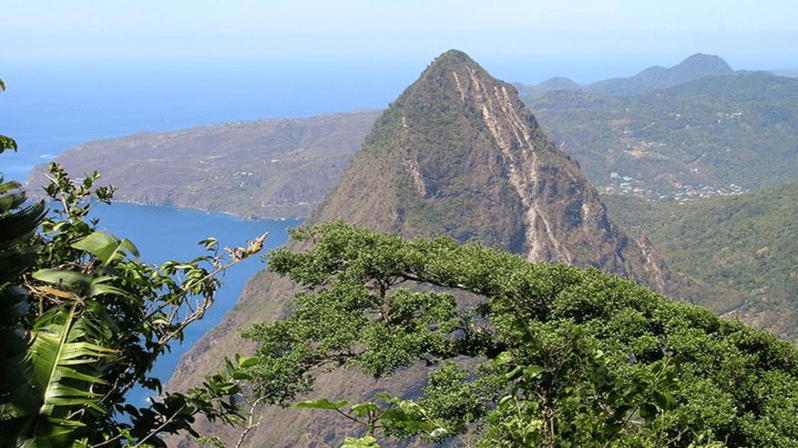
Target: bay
x,y
166,233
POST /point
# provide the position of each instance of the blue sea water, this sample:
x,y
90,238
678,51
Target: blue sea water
x,y
166,233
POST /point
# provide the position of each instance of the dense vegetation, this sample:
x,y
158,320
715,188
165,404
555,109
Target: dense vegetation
x,y
566,357
745,243
84,322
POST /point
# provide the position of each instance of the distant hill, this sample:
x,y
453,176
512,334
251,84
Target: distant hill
x,y
716,135
550,85
656,78
648,80
789,72
264,169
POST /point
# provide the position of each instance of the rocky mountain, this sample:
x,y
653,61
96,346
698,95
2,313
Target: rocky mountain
x,y
264,169
457,154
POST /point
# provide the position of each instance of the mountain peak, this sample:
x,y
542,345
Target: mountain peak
x,y
452,57
701,61
459,154
699,65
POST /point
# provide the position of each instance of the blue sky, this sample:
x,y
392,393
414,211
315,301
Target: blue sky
x,y
617,37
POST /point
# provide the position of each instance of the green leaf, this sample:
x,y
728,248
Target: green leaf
x,y
361,442
502,359
245,363
105,247
362,409
69,279
664,400
321,403
63,373
515,373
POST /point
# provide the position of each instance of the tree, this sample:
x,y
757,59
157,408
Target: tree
x,y
82,321
568,357
18,222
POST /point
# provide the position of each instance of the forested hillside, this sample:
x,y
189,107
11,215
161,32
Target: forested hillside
x,y
746,243
712,136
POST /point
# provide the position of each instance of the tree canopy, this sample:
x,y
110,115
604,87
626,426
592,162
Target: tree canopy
x,y
564,357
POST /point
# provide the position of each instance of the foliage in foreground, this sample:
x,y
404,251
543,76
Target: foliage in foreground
x,y
84,321
571,357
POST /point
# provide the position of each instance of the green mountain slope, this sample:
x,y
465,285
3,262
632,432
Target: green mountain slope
x,y
711,136
746,243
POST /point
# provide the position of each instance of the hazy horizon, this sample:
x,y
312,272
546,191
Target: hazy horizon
x,y
83,70
525,42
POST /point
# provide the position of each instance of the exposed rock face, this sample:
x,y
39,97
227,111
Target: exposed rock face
x,y
459,154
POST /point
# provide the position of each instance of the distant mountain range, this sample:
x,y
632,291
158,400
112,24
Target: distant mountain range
x,y
648,80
